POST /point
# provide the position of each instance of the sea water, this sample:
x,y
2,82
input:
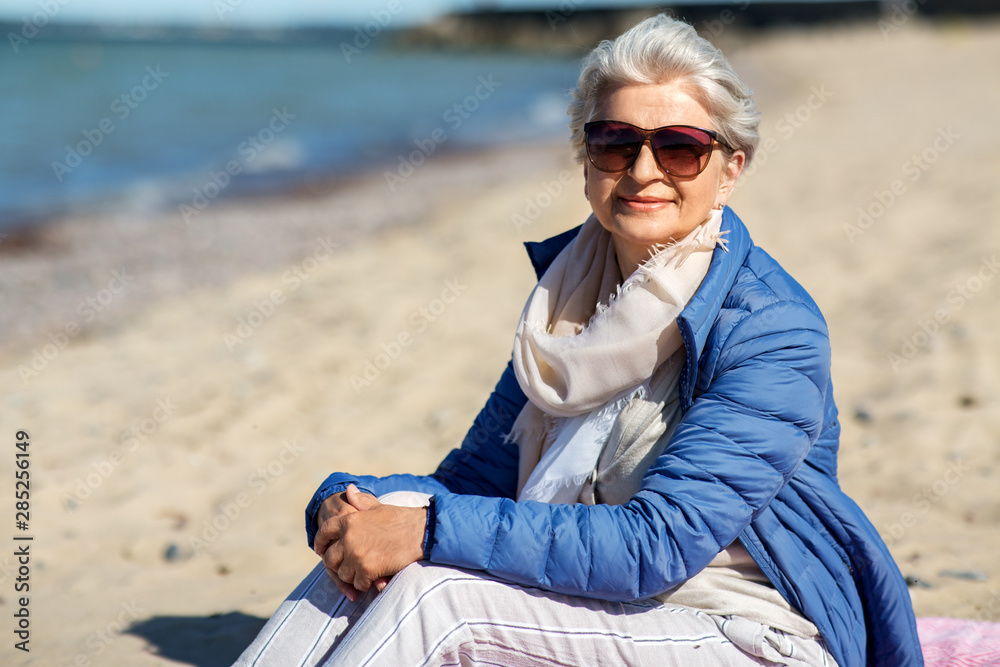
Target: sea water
x,y
143,125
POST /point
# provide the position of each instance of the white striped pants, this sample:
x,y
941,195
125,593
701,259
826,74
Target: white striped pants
x,y
433,615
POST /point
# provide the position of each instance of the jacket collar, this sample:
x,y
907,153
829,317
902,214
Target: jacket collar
x,y
696,320
706,303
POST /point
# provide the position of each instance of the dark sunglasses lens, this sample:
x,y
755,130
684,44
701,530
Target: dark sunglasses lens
x,y
682,151
613,146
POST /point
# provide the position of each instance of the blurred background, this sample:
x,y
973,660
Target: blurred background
x,y
245,244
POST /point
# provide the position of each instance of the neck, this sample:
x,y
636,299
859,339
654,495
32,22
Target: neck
x,y
629,257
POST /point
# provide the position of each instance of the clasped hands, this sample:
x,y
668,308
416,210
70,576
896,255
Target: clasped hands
x,y
363,542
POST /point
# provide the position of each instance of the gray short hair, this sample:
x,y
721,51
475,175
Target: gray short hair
x,y
659,50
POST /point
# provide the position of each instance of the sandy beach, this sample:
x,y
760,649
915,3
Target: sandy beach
x,y
186,386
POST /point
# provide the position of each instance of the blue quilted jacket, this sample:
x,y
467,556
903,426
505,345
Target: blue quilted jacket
x,y
754,458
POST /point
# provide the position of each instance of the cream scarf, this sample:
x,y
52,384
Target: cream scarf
x,y
600,362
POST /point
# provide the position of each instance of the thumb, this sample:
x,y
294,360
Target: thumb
x,y
359,500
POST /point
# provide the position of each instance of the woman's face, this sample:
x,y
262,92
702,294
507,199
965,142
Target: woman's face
x,y
642,205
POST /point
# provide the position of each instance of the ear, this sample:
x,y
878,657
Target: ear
x,y
731,171
586,172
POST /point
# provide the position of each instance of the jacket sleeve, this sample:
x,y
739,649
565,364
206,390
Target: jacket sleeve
x,y
739,443
485,464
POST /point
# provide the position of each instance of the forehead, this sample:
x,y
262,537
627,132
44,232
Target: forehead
x,y
652,105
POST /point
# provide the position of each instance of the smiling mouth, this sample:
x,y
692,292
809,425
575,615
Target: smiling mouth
x,y
644,203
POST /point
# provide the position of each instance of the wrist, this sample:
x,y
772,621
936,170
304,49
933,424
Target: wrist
x,y
409,534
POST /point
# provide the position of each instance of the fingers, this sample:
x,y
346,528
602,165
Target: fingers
x,y
361,576
348,570
343,573
353,575
334,505
361,583
362,548
345,589
328,533
359,500
338,504
350,578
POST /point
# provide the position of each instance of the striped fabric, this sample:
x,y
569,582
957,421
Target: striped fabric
x,y
432,616
956,642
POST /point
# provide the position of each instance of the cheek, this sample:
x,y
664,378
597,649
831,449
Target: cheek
x,y
702,191
600,187
695,193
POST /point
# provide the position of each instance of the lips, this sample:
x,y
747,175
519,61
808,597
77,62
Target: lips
x,y
643,203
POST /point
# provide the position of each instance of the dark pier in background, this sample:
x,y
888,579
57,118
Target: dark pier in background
x,y
566,24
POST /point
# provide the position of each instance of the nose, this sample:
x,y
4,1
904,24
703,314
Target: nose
x,y
646,168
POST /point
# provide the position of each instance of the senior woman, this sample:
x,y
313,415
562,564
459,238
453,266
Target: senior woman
x,y
654,479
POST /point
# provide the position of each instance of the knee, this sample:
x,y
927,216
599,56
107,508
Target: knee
x,y
423,576
425,583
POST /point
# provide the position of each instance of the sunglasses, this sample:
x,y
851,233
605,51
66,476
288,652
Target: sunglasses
x,y
680,150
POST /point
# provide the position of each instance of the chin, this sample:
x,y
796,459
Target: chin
x,y
647,229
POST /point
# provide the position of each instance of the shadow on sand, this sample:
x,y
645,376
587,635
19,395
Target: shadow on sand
x,y
202,641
